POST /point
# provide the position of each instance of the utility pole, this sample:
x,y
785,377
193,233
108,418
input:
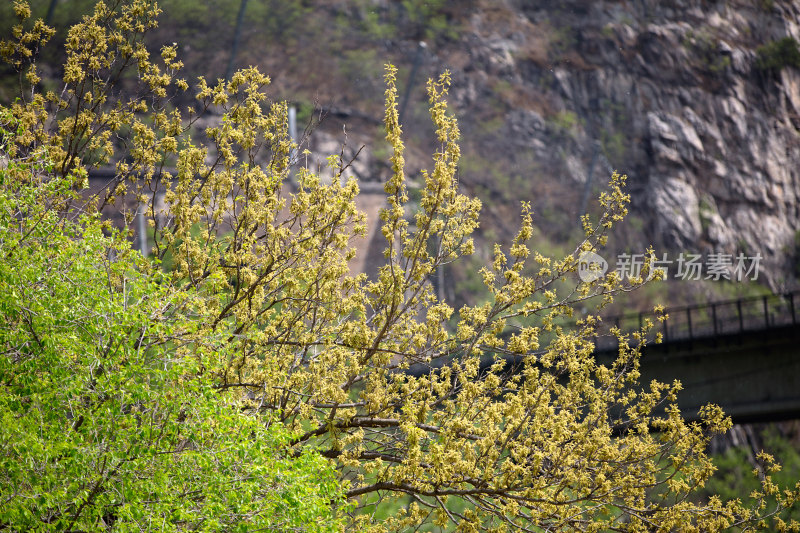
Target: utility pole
x,y
417,60
142,229
236,36
292,112
51,8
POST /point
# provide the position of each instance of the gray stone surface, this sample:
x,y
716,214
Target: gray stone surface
x,y
711,144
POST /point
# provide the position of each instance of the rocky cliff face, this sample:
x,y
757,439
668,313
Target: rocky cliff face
x,y
697,101
680,95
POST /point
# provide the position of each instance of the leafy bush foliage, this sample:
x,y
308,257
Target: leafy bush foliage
x,y
776,55
107,419
734,478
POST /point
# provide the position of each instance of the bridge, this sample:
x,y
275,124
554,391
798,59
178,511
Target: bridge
x,y
743,355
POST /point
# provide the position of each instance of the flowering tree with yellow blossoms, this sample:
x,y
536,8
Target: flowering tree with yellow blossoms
x,y
493,417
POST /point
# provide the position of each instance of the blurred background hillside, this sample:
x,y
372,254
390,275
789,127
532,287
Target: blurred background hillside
x,y
697,102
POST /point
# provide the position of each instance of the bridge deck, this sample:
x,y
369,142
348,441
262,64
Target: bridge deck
x,y
743,355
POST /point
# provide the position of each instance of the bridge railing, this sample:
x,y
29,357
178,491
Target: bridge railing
x,y
704,321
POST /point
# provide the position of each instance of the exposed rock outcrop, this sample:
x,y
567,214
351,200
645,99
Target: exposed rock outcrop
x,y
552,96
673,94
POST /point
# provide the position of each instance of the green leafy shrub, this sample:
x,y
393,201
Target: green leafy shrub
x,y
108,419
734,479
777,55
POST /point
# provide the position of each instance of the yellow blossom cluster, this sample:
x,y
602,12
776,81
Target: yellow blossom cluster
x,y
493,417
